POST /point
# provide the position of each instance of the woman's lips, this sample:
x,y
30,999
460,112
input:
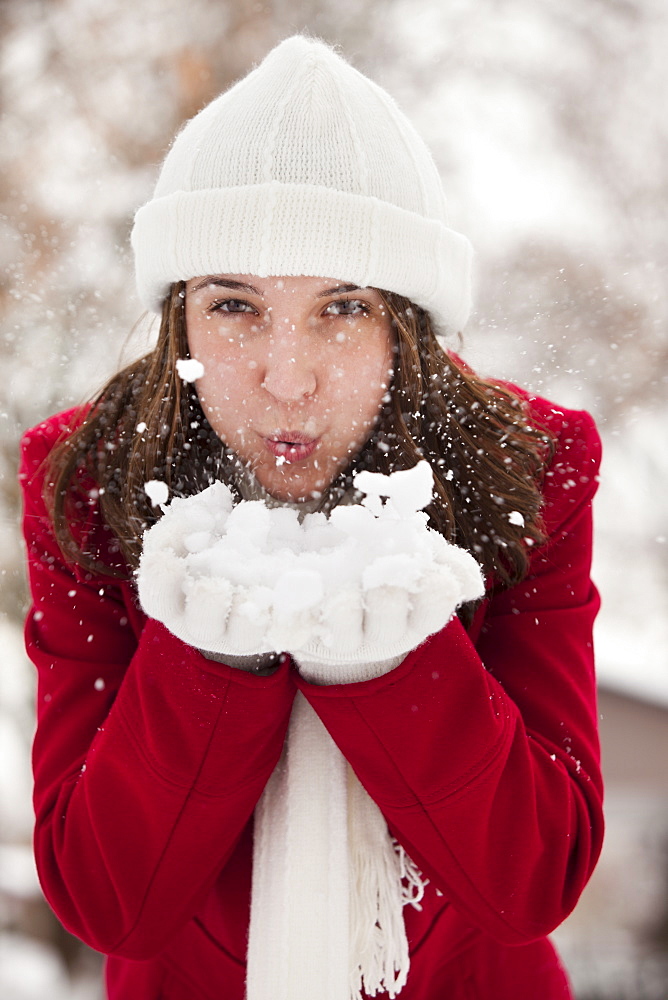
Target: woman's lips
x,y
291,446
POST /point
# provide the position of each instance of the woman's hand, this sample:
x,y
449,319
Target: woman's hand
x,y
213,604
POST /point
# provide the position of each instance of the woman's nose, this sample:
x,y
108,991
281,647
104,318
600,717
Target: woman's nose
x,y
289,372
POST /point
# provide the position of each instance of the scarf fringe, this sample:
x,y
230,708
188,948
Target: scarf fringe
x,y
384,880
413,881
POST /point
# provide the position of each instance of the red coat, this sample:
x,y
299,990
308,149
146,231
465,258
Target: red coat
x,y
480,749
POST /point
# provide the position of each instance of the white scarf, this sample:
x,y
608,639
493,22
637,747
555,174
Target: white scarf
x,y
329,883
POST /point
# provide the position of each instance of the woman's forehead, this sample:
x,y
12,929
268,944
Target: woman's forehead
x,y
260,285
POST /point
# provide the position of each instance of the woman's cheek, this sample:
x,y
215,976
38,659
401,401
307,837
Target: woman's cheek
x,y
222,375
339,379
213,392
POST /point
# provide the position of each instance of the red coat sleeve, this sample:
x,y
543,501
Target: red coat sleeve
x,y
481,749
148,758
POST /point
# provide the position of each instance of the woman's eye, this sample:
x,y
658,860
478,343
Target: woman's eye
x,y
347,307
232,306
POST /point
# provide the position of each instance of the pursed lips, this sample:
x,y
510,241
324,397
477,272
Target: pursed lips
x,y
292,446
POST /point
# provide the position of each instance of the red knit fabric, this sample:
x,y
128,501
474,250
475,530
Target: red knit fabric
x,y
480,749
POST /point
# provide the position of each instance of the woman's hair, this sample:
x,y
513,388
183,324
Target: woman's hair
x,y
485,450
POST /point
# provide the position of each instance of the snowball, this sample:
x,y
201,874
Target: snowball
x,y
189,369
217,500
392,571
318,533
411,490
249,523
285,529
297,589
197,541
356,521
407,491
156,491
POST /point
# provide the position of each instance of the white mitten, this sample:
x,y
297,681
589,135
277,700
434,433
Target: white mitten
x,y
212,572
408,585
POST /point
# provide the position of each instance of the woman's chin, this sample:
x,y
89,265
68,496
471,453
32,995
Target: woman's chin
x,y
291,484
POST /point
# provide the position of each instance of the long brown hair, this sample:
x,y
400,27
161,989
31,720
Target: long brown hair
x,y
485,450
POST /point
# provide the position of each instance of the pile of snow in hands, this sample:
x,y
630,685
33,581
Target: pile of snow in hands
x,y
206,560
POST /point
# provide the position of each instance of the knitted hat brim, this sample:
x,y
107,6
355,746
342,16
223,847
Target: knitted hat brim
x,y
296,229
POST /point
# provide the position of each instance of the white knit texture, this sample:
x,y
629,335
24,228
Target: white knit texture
x,y
329,885
299,946
305,166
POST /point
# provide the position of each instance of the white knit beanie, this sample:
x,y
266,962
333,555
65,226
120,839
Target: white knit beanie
x,y
304,167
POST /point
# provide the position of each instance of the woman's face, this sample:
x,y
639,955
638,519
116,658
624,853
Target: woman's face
x,y
295,370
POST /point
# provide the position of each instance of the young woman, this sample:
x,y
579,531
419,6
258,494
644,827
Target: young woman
x,y
347,750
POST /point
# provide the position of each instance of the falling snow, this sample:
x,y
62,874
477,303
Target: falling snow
x,y
189,369
157,492
571,296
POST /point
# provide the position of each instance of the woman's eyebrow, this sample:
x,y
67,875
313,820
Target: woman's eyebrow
x,y
338,289
241,286
238,286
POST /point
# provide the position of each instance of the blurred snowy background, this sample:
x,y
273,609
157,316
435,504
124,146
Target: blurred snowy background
x,y
547,119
